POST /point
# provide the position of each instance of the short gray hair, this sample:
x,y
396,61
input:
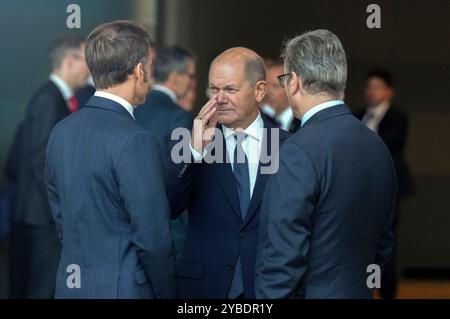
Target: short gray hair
x,y
170,59
319,59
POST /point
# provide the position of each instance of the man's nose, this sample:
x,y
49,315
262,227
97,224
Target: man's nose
x,y
221,97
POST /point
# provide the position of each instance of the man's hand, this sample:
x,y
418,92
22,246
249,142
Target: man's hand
x,y
204,126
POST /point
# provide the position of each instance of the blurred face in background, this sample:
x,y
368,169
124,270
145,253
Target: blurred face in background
x,y
75,69
276,95
188,101
183,81
377,92
237,98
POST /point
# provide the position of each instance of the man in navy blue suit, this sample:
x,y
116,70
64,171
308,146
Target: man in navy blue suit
x,y
326,218
223,189
105,180
173,73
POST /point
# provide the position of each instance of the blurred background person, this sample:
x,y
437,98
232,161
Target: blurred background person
x,y
174,74
391,124
277,99
188,101
266,108
35,249
84,94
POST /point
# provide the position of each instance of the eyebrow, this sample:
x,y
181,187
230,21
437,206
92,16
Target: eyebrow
x,y
228,86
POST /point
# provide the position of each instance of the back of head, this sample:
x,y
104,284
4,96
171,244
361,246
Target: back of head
x,y
318,58
114,49
168,60
64,46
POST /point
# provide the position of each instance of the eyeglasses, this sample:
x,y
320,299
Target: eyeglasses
x,y
283,77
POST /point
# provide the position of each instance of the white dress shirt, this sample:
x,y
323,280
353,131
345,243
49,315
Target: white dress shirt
x,y
319,107
251,145
126,105
62,86
166,90
374,115
285,118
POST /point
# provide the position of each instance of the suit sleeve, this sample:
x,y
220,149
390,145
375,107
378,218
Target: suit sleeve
x,y
386,245
285,227
53,198
43,116
142,187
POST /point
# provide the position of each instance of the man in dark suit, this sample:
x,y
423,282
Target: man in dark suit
x,y
277,99
391,124
105,180
35,248
174,72
326,218
223,196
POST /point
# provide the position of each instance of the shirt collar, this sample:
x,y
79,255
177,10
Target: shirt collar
x,y
117,99
285,118
166,90
254,130
318,108
62,86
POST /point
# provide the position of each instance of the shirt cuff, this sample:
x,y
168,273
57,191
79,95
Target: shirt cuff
x,y
196,155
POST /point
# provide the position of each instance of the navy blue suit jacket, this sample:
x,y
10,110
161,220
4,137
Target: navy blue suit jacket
x,y
160,115
107,196
327,215
216,234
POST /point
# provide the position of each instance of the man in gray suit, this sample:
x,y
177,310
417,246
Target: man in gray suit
x,y
105,180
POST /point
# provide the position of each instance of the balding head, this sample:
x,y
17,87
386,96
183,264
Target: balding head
x,y
237,79
252,64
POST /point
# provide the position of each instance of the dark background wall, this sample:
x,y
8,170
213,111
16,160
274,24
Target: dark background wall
x,y
412,43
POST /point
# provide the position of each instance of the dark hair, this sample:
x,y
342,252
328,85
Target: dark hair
x,y
114,49
381,74
168,60
62,47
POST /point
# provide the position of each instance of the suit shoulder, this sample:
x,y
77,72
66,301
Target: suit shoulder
x,y
47,96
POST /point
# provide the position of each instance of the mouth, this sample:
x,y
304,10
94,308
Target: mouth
x,y
223,110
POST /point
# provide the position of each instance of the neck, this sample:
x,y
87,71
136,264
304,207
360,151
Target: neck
x,y
310,101
59,73
170,86
122,90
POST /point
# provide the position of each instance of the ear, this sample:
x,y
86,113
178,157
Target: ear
x,y
138,72
260,91
295,85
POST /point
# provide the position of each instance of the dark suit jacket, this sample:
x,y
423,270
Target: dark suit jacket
x,y
106,190
328,212
393,130
47,107
160,115
216,234
84,94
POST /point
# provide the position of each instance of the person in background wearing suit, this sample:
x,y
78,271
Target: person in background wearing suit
x,y
35,249
327,215
391,125
223,197
161,114
277,99
105,180
84,94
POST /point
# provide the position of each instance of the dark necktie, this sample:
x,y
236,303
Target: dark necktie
x,y
242,178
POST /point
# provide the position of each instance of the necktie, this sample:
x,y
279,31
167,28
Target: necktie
x,y
73,104
242,178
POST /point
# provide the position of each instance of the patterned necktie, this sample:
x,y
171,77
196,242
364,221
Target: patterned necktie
x,y
242,178
73,104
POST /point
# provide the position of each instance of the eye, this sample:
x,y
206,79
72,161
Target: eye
x,y
231,90
213,90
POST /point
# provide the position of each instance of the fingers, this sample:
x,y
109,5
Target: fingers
x,y
207,107
206,118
